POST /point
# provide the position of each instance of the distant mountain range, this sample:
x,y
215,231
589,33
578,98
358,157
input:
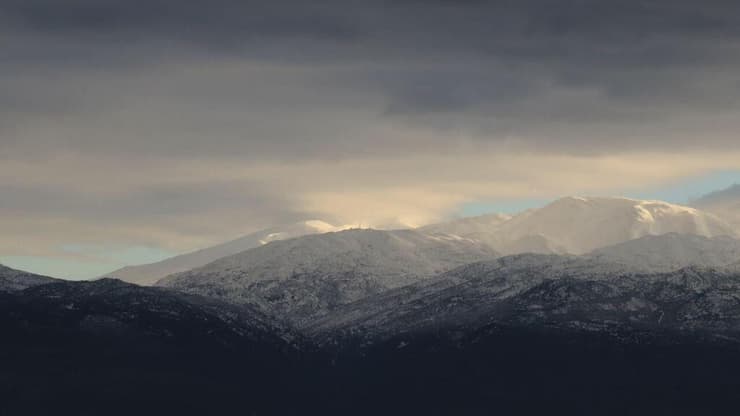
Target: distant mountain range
x,y
570,225
576,225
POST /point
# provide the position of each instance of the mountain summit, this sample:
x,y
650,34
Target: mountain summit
x,y
310,275
148,274
577,225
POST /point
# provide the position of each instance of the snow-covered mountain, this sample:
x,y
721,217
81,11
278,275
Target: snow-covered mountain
x,y
578,225
302,277
667,252
725,204
12,280
569,225
534,291
148,274
472,289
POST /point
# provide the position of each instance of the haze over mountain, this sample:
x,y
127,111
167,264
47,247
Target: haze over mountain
x,y
724,204
148,274
577,225
668,252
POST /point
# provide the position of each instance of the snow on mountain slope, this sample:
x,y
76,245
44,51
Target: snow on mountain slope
x,y
534,290
460,294
12,280
577,225
672,251
299,278
725,204
148,274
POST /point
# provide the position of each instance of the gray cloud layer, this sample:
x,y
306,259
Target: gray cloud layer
x,y
368,90
564,75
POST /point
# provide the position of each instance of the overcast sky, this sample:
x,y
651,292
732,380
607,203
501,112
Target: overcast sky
x,y
132,130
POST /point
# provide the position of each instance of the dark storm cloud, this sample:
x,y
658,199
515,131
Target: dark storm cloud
x,y
617,75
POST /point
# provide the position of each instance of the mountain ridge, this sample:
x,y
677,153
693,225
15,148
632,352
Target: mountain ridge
x,y
149,274
577,225
12,280
569,225
310,275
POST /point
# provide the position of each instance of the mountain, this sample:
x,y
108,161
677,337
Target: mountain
x,y
148,274
110,305
566,346
116,348
536,291
667,252
576,225
12,280
307,276
453,297
724,204
567,226
524,334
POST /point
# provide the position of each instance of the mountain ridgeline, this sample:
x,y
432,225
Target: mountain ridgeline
x,y
305,277
148,274
12,280
585,306
567,226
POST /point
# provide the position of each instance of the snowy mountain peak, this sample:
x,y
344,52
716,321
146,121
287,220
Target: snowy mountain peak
x,y
302,277
581,224
148,274
577,225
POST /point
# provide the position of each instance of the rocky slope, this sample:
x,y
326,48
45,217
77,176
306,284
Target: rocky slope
x,y
532,291
308,276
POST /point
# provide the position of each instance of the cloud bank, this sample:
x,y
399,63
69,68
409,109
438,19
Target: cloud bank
x,y
176,124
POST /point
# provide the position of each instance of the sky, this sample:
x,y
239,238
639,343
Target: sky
x,y
134,130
